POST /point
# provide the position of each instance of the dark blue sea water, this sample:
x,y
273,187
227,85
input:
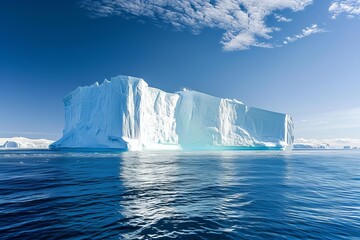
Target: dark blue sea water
x,y
180,195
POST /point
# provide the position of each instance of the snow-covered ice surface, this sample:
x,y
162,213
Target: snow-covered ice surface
x,y
125,113
24,143
340,143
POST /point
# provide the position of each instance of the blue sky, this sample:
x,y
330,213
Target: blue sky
x,y
301,57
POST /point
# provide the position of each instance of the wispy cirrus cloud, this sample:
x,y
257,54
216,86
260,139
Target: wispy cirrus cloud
x,y
243,21
305,33
280,18
333,124
350,8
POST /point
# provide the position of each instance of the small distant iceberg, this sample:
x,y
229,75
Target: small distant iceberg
x,y
341,143
126,114
24,143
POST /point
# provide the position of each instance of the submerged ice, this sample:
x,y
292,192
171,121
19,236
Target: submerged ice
x,y
125,113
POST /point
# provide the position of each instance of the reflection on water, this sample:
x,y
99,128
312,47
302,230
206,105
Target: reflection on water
x,y
216,188
182,195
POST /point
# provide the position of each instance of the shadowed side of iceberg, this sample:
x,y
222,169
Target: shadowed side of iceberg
x,y
126,114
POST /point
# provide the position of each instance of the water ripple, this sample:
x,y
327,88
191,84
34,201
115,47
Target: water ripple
x,y
180,195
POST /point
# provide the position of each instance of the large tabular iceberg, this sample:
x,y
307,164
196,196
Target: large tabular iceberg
x,y
126,114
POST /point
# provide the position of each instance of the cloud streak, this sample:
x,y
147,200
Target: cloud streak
x,y
243,21
305,33
280,18
334,124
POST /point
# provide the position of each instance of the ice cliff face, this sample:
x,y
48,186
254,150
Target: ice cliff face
x,y
125,113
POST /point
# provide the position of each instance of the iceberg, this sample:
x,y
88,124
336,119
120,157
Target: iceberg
x,y
24,143
126,114
337,143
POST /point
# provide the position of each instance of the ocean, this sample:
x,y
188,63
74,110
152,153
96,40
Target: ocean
x,y
180,195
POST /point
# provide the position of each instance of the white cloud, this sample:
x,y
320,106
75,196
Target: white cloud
x,y
243,21
350,8
280,18
304,33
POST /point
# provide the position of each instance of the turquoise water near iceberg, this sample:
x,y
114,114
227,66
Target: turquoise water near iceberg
x,y
180,195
